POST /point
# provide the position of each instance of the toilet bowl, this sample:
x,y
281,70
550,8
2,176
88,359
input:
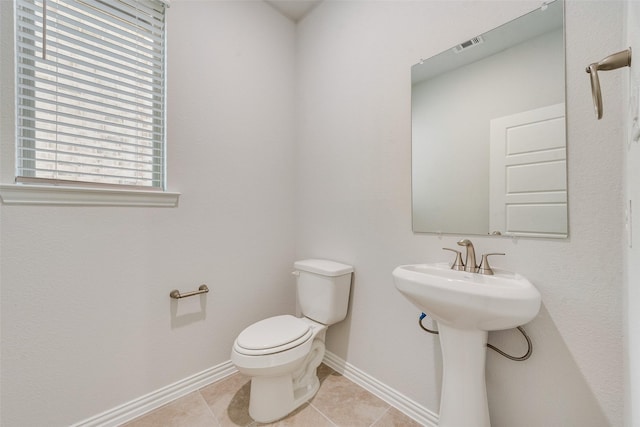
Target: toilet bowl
x,y
281,353
283,373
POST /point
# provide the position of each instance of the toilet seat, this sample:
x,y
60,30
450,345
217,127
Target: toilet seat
x,y
273,335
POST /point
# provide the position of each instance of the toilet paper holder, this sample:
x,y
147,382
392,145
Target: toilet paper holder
x,y
611,62
175,294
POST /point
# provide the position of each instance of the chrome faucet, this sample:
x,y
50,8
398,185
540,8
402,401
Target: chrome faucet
x,y
469,263
470,258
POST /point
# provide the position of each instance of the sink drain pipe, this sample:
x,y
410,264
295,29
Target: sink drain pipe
x,y
497,350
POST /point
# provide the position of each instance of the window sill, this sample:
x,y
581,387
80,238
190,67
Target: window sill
x,y
46,195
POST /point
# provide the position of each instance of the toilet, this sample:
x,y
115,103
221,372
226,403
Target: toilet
x,y
281,353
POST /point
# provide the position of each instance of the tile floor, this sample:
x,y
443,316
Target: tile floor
x,y
339,402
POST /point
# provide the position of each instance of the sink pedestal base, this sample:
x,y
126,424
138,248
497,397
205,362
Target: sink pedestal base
x,y
464,393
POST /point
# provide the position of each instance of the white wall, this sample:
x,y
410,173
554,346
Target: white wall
x,y
87,322
632,353
353,204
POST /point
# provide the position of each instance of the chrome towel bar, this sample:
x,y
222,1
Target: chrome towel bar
x,y
175,294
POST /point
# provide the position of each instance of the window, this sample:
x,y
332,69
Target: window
x,y
90,83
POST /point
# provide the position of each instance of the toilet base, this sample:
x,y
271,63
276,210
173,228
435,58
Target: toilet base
x,y
273,398
276,397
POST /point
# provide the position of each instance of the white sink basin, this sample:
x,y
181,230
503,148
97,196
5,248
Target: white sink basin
x,y
469,300
466,306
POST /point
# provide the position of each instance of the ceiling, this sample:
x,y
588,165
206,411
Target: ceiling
x,y
294,9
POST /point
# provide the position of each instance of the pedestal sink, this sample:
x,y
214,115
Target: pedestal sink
x,y
467,306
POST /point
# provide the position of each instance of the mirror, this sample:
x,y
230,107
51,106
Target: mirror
x,y
488,132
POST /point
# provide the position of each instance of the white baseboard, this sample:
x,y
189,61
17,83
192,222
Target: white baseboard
x,y
137,407
133,409
407,406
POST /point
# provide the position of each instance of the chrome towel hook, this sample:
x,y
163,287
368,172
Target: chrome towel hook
x,y
611,62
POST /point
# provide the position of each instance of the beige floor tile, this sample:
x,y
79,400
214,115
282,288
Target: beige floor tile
x,y
324,371
229,400
190,410
306,416
347,404
338,403
395,418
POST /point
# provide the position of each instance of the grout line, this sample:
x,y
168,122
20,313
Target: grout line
x,y
322,413
386,411
407,406
218,422
215,418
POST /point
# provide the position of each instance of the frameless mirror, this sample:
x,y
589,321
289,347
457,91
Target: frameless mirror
x,y
488,132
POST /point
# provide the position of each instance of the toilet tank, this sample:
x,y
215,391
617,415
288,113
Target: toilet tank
x,y
323,289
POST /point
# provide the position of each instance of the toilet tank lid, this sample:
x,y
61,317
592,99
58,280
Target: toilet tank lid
x,y
323,267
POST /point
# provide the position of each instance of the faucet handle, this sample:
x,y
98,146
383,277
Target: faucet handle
x,y
457,264
484,267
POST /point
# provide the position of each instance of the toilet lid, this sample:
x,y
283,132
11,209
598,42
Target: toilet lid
x,y
279,332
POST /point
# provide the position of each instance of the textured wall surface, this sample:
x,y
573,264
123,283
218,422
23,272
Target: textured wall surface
x,y
87,323
86,319
632,398
353,204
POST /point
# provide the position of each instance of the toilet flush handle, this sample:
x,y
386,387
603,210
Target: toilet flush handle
x,y
295,273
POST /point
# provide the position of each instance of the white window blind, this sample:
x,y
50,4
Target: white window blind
x,y
91,91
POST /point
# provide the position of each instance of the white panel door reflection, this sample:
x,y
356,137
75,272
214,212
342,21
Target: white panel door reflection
x,y
528,181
